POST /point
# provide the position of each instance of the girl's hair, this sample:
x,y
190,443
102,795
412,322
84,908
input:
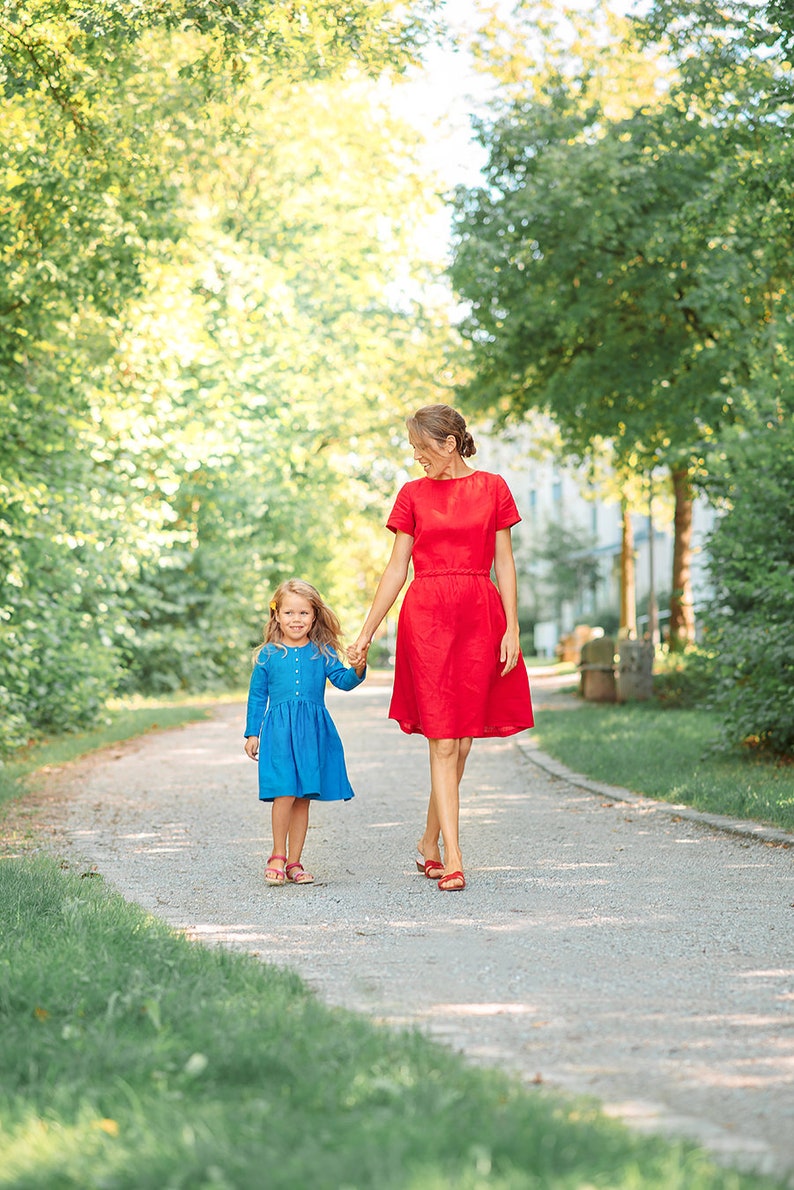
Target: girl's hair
x,y
438,422
326,631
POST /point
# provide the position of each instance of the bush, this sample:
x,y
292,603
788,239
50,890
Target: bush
x,y
13,724
380,656
58,672
72,686
751,560
175,658
755,685
686,680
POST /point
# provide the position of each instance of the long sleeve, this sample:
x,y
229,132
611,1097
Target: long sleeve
x,y
341,676
257,699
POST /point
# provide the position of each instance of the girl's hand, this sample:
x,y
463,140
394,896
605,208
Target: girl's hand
x,y
509,650
357,654
252,746
360,666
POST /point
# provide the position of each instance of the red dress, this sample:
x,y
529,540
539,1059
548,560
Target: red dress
x,y
447,674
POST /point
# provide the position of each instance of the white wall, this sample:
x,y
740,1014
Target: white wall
x,y
549,492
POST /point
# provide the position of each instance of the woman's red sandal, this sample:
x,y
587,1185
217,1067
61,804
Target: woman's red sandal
x,y
429,866
444,886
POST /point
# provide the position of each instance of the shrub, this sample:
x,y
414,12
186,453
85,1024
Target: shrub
x,y
58,671
686,680
751,561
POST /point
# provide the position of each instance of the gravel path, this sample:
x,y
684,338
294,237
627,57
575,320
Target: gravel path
x,y
616,949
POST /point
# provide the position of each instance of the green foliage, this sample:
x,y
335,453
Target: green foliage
x,y
686,680
626,263
567,570
751,558
206,215
612,279
604,284
135,1059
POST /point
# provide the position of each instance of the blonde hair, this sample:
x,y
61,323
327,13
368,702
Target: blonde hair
x,y
326,631
439,422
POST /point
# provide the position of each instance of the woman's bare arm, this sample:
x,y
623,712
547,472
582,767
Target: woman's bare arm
x,y
505,569
391,583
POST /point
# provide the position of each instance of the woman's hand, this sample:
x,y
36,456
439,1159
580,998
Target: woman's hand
x,y
509,650
252,746
357,653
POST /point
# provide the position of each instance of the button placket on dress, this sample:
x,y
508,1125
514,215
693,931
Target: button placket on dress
x,y
297,673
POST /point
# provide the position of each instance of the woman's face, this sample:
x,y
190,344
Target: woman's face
x,y
437,458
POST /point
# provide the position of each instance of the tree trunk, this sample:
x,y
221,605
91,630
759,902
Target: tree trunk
x,y
628,584
682,612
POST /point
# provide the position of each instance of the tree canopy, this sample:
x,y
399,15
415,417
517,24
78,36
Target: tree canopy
x,y
624,264
203,327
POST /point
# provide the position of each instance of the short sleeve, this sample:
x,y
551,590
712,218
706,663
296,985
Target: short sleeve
x,y
507,513
402,518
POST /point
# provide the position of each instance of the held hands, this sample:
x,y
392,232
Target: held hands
x,y
509,650
357,654
252,746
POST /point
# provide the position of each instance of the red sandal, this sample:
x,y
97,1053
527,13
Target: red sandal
x,y
275,875
429,866
301,876
445,887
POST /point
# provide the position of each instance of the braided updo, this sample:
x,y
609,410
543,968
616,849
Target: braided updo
x,y
438,422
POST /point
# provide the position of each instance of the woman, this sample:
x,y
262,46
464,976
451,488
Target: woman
x,y
459,673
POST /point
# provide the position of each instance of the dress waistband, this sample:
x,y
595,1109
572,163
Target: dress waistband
x,y
440,573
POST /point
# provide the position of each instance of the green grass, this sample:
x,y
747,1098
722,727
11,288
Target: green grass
x,y
123,721
668,754
133,1058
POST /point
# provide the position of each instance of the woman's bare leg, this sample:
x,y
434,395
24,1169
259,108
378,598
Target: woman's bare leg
x,y
445,758
428,844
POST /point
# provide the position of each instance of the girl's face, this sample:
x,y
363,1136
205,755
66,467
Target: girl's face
x,y
295,617
437,458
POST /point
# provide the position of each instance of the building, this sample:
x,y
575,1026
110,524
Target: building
x,y
568,545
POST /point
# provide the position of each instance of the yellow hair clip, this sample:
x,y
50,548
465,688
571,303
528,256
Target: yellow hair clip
x,y
273,605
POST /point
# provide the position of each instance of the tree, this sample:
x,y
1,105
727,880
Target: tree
x,y
123,497
292,362
614,279
569,567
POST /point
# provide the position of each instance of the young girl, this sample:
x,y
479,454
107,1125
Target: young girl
x,y
287,725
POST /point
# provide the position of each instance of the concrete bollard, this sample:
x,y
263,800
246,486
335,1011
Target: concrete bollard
x,y
634,675
597,670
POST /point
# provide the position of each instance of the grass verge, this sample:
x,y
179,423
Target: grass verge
x,y
668,754
123,721
133,1058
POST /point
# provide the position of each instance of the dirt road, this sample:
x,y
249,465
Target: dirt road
x,y
602,948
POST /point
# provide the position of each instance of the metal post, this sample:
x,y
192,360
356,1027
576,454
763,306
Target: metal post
x,y
653,611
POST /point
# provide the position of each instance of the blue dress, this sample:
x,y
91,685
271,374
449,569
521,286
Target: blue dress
x,y
300,752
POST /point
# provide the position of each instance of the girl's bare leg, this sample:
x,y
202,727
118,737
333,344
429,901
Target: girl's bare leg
x,y
428,844
280,817
298,825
